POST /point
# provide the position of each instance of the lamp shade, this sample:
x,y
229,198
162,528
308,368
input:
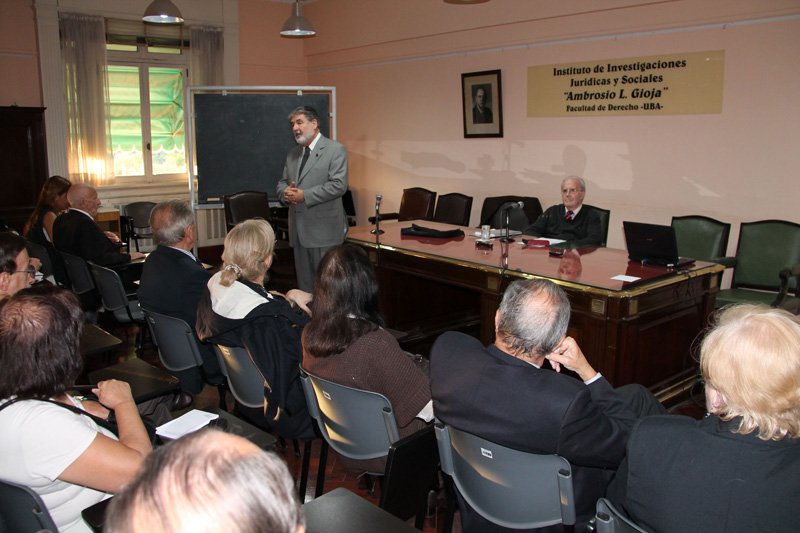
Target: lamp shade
x,y
297,25
164,12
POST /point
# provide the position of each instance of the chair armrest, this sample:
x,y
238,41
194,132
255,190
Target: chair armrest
x,y
786,274
385,216
727,262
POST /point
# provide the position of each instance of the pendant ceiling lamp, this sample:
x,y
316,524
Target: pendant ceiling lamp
x,y
162,12
297,25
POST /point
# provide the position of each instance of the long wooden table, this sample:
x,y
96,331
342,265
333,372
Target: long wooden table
x,y
631,332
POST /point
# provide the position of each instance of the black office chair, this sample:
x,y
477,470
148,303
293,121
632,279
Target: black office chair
x,y
605,216
453,208
349,207
245,205
139,215
78,272
22,510
519,219
701,237
416,204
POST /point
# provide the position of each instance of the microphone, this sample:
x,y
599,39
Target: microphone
x,y
507,210
377,230
515,205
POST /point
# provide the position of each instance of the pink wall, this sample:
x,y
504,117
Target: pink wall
x,y
266,58
19,65
399,105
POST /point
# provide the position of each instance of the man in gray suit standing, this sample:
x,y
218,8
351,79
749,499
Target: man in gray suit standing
x,y
314,180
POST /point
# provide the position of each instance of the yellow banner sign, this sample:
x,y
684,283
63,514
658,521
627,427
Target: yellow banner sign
x,y
678,84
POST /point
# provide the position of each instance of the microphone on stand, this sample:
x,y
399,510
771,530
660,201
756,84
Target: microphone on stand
x,y
377,230
507,210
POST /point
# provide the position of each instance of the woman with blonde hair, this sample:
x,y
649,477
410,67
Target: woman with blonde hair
x,y
237,311
738,469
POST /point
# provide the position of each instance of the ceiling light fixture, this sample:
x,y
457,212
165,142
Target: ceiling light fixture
x,y
297,25
162,12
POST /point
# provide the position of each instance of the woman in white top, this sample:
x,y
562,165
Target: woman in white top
x,y
64,456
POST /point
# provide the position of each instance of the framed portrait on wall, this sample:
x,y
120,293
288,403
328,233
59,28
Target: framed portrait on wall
x,y
482,98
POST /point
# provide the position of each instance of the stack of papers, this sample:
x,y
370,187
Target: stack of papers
x,y
495,233
185,424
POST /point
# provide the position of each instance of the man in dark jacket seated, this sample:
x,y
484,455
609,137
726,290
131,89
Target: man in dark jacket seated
x,y
570,221
503,394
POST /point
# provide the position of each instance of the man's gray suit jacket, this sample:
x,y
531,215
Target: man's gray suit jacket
x,y
319,221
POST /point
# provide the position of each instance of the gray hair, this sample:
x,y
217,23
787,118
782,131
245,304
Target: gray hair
x,y
169,220
206,482
583,183
534,316
307,110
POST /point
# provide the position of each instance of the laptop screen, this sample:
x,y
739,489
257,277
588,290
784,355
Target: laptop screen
x,y
652,243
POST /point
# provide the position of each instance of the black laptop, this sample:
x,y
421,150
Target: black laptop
x,y
653,244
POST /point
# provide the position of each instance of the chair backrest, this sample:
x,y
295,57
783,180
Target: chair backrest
x,y
410,467
139,213
356,423
701,237
417,204
40,252
244,379
498,482
491,211
610,520
78,272
453,208
245,205
177,346
113,294
764,248
22,510
605,216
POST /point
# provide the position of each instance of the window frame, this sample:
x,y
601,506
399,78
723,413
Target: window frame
x,y
144,60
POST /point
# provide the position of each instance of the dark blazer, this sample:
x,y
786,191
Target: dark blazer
x,y
319,221
493,395
270,332
78,234
582,230
685,475
172,284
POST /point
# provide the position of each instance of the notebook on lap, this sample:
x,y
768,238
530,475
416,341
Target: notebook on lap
x,y
653,244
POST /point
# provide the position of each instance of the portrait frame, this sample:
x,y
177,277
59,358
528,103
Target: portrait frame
x,y
484,118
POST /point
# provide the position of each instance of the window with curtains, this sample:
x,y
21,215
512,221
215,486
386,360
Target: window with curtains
x,y
146,77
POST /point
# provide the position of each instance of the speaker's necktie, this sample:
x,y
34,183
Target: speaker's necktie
x,y
306,151
569,215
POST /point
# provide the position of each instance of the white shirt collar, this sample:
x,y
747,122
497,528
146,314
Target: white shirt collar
x,y
81,211
574,211
190,254
314,142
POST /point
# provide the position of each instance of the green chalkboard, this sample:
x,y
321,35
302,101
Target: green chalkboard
x,y
241,140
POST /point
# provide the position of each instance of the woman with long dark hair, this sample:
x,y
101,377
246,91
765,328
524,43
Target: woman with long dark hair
x,y
52,201
346,343
39,228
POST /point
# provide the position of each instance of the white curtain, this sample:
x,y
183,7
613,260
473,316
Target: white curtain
x,y
206,66
83,54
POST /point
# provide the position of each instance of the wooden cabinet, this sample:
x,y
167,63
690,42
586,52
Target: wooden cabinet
x,y
23,162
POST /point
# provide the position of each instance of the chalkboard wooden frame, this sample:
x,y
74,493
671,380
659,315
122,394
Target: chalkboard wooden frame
x,y
238,137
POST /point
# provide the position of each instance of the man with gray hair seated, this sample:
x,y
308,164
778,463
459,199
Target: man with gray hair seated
x,y
503,394
208,481
571,220
173,280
